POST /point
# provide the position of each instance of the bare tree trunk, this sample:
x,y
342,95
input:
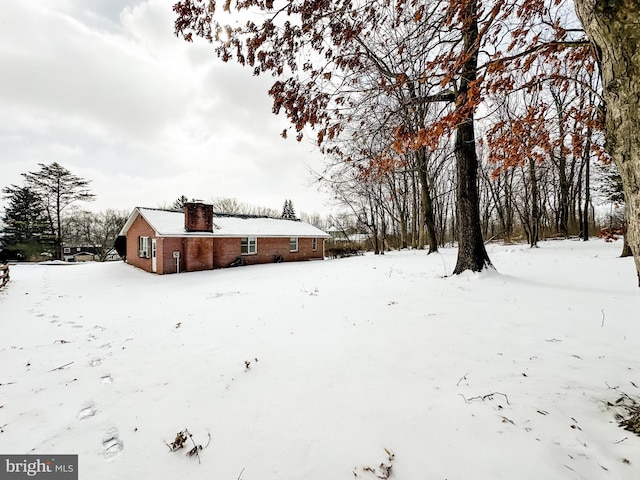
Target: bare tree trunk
x,y
426,202
472,254
614,28
585,216
58,225
563,206
535,209
415,215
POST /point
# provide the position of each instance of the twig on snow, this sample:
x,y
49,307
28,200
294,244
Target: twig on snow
x,y
464,377
484,397
60,367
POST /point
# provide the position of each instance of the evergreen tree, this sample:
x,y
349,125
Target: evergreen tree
x,y
611,183
612,189
58,188
178,204
25,227
287,210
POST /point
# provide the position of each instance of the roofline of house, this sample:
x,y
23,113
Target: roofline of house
x,y
231,235
137,210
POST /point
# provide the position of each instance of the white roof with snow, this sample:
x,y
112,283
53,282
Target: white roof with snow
x,y
171,224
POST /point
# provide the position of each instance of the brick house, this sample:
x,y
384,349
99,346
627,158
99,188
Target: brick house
x,y
162,241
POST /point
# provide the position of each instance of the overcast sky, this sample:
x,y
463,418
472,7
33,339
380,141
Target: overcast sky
x,y
104,88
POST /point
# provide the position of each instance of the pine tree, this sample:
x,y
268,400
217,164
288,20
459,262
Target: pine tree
x,y
178,204
58,188
287,210
612,189
25,228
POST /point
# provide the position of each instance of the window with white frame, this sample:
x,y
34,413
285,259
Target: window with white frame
x,y
144,247
248,245
67,249
293,244
314,244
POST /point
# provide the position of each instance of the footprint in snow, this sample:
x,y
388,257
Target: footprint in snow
x,y
88,411
96,362
106,379
111,443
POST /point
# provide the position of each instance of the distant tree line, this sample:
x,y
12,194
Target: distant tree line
x,y
41,216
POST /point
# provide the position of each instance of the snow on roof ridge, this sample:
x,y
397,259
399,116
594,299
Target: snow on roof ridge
x,y
222,214
230,225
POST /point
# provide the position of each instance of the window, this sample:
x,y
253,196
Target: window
x,y
293,244
314,244
249,245
67,249
143,247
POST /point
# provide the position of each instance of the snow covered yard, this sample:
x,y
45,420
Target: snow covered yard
x,y
501,375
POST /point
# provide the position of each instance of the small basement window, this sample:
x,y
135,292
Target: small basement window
x,y
144,249
249,246
293,244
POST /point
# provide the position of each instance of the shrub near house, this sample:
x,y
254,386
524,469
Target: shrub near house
x,y
163,241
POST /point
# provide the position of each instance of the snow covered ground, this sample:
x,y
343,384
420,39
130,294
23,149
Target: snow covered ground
x,y
499,375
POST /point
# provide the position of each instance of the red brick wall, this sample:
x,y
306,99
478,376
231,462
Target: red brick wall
x,y
169,245
139,228
198,254
195,254
228,249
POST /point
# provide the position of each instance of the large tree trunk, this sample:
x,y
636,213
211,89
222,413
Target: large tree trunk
x,y
626,251
614,30
471,252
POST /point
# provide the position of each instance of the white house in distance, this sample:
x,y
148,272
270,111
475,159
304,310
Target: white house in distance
x,y
162,241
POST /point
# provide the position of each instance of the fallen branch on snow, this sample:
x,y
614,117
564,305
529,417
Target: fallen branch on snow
x,y
181,438
384,470
485,397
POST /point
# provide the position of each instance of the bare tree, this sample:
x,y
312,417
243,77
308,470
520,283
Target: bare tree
x,y
98,230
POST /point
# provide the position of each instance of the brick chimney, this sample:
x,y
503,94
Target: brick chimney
x,y
198,217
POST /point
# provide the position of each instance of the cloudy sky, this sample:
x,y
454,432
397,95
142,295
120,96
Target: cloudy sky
x,y
104,88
